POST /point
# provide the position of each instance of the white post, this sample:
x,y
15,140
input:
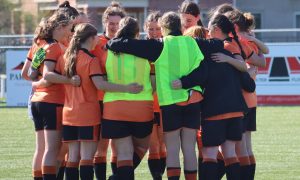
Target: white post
x,y
234,3
2,90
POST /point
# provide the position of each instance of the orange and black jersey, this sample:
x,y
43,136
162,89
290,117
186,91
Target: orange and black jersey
x,y
100,52
222,85
81,106
232,46
53,93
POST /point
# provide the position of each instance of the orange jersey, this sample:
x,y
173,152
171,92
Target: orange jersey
x,y
132,111
55,92
250,44
101,53
81,106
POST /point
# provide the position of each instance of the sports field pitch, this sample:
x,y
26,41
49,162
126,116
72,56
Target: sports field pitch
x,y
276,145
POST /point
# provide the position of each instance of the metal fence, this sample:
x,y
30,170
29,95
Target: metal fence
x,y
23,42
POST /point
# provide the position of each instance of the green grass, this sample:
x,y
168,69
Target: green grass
x,y
276,144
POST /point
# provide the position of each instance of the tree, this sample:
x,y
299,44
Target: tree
x,y
6,8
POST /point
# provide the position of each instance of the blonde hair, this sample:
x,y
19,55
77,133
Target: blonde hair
x,y
82,33
196,31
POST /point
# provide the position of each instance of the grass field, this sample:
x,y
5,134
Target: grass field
x,y
276,144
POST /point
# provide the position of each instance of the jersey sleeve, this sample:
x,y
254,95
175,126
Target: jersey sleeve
x,y
253,46
30,54
53,52
60,65
95,69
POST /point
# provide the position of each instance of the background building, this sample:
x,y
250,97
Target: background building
x,y
269,14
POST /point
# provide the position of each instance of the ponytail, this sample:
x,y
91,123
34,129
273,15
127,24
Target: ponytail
x,y
82,33
71,57
236,38
227,27
129,28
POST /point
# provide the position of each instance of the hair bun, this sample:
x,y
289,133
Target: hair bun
x,y
115,4
65,4
249,20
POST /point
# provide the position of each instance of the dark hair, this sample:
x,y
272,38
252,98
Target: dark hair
x,y
250,21
190,7
236,17
83,31
68,10
114,9
46,27
221,9
128,27
227,27
171,21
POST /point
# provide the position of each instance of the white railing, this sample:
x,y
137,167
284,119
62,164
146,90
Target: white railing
x,y
2,86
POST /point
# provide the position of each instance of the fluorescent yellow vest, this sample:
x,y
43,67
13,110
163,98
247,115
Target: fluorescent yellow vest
x,y
126,69
180,56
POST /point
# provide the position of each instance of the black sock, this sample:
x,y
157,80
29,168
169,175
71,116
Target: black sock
x,y
233,171
221,168
162,165
72,173
86,172
113,166
200,174
174,178
136,160
61,173
100,171
125,173
245,172
37,178
252,171
49,176
155,168
209,170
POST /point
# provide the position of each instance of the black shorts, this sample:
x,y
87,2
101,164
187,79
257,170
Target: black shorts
x,y
249,121
175,117
216,132
112,129
47,116
81,133
156,119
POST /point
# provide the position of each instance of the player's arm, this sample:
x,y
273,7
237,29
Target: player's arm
x,y
101,84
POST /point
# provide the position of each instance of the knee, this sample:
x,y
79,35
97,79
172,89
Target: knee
x,y
125,154
73,156
210,152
